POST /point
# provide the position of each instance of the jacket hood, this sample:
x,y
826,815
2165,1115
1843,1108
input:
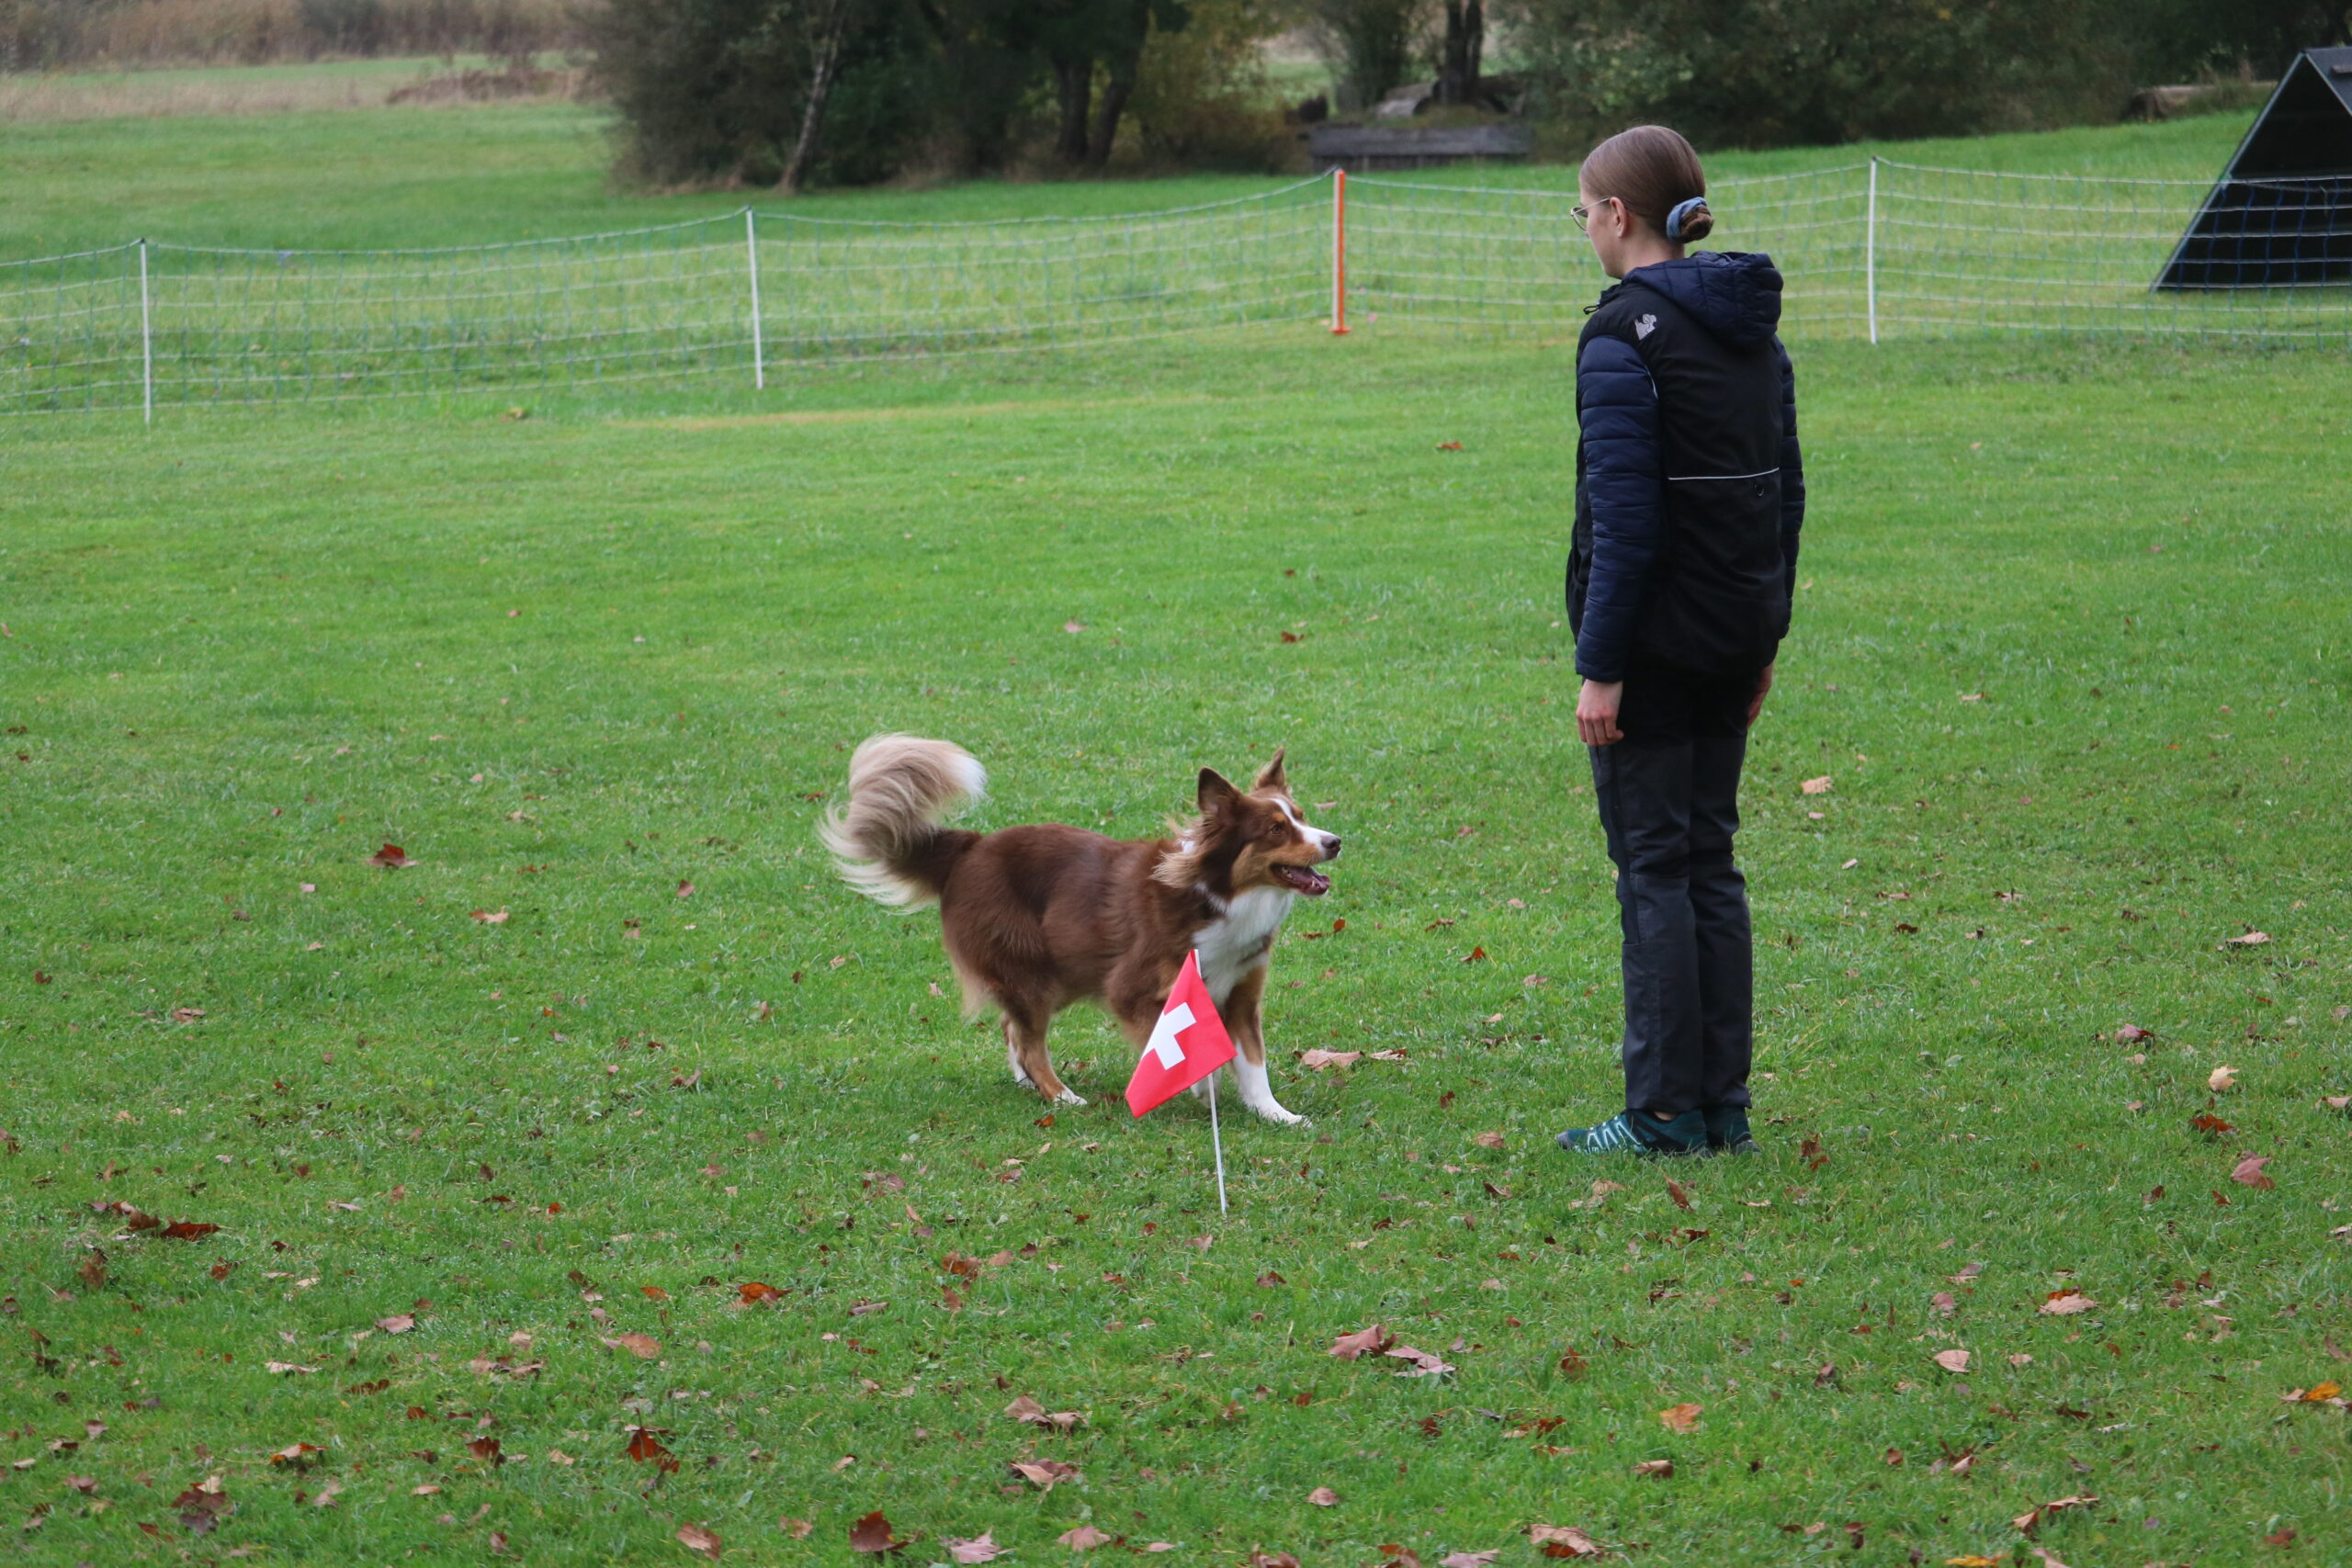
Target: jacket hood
x,y
1734,294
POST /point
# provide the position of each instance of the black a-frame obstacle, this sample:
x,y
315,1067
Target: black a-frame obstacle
x,y
2281,215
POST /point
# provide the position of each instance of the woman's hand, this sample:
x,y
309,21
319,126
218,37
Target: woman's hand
x,y
1597,712
1755,702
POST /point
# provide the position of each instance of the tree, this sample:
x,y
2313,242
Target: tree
x,y
1079,39
1461,51
1370,44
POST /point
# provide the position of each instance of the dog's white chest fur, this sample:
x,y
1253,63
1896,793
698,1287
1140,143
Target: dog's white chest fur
x,y
1238,941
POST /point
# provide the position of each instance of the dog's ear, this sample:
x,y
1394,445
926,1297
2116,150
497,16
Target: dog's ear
x,y
1271,776
1217,796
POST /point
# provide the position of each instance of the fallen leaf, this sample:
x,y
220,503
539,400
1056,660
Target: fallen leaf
x,y
489,917
1487,1140
1810,1151
1348,1347
1817,786
187,1230
1424,1365
757,1292
1475,954
391,857
1074,627
1045,1475
645,1446
287,1367
981,1547
1680,1193
2131,1032
1272,1559
1085,1538
295,1453
2210,1125
1317,1060
1469,1559
2282,1537
2248,1173
1952,1360
2221,1079
325,1497
644,1346
2318,1393
399,1323
488,1450
872,1533
1974,1561
698,1541
1324,1497
2065,1303
2251,939
2034,1516
1680,1418
1563,1541
1655,1469
686,888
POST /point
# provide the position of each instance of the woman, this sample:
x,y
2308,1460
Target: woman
x,y
1689,495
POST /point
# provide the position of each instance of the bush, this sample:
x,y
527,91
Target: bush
x,y
1202,99
46,34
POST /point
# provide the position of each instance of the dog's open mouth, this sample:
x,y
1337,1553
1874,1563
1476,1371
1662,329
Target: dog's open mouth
x,y
1302,879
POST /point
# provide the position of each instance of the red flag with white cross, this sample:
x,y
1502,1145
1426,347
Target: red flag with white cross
x,y
1187,1045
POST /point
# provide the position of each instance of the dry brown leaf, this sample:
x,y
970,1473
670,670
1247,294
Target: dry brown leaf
x,y
872,1533
1045,1475
700,1540
1085,1538
981,1547
1952,1360
1563,1541
1815,787
1655,1469
1680,1418
1487,1140
2248,1172
1469,1559
2065,1303
2221,1079
644,1346
1317,1060
1680,1193
398,1323
2251,939
1324,1497
1348,1347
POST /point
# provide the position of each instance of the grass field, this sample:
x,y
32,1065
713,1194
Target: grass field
x,y
376,177
2069,649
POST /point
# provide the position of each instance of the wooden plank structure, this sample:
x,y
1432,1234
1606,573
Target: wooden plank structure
x,y
1374,148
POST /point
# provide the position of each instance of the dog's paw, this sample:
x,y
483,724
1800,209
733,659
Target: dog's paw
x,y
1280,1117
1070,1096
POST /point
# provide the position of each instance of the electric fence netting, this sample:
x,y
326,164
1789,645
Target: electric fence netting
x,y
1870,251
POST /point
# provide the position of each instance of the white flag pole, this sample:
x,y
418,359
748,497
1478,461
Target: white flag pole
x,y
1216,1142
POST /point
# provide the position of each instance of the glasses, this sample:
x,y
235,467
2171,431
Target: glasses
x,y
1583,215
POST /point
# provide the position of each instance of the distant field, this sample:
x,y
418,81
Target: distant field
x,y
195,92
373,178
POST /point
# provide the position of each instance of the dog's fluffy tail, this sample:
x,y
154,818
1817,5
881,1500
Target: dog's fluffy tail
x,y
888,841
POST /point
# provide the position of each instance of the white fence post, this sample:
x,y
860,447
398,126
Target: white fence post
x,y
146,338
1870,251
759,344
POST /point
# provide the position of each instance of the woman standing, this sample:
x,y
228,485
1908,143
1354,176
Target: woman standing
x,y
1689,495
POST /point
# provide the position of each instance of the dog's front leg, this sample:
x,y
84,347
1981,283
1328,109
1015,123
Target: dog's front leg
x,y
1242,1017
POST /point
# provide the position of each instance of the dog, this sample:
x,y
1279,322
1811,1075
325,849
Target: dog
x,y
1038,917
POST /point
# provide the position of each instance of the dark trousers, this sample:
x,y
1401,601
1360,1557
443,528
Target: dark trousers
x,y
1670,803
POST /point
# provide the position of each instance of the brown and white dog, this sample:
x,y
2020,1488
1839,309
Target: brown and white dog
x,y
1038,917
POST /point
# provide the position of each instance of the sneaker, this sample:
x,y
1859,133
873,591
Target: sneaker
x,y
1642,1133
1727,1131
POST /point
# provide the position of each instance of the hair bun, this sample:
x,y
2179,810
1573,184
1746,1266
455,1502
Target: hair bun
x,y
1691,219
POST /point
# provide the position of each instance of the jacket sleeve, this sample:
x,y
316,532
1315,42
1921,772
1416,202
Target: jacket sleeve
x,y
1624,483
1792,473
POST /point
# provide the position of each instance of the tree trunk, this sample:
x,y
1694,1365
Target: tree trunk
x,y
1124,59
1074,82
827,65
1460,57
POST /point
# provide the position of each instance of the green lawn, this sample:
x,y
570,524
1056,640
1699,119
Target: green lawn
x,y
2070,650
378,178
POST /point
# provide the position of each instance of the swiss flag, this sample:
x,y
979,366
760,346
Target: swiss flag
x,y
1187,1045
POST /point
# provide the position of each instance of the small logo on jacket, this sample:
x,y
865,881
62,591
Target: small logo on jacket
x,y
1646,326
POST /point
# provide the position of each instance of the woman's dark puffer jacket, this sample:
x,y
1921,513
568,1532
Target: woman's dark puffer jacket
x,y
1690,485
